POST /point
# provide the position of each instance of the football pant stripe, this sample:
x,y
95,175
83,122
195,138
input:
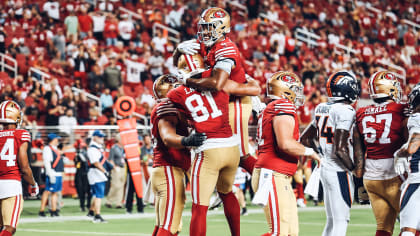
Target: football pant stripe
x,y
275,218
16,209
170,197
410,189
195,186
238,126
344,187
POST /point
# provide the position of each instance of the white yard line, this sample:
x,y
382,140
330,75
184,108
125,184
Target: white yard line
x,y
78,232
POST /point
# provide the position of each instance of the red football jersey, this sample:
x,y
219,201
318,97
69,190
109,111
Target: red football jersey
x,y
163,155
225,49
269,155
10,141
207,111
382,128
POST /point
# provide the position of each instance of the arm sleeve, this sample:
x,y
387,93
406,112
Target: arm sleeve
x,y
345,117
225,64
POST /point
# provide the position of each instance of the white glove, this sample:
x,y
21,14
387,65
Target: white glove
x,y
257,105
182,76
189,47
52,178
34,189
401,165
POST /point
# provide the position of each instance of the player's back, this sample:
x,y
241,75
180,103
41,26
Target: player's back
x,y
163,155
328,118
382,128
269,155
10,141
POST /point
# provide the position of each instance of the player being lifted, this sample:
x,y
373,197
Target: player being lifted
x,y
216,161
332,128
382,127
13,164
226,63
171,159
278,154
410,199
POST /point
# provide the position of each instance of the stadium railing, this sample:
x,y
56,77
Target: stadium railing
x,y
173,34
38,74
306,36
90,96
398,70
5,60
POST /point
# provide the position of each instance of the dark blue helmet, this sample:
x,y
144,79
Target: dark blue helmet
x,y
343,86
414,97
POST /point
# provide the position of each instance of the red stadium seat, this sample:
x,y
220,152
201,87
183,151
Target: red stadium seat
x,y
102,120
148,84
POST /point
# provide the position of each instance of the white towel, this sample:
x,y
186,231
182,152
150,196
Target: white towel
x,y
149,196
265,185
312,187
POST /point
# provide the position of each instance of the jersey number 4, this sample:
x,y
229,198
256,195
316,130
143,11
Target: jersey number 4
x,y
198,111
370,132
326,131
8,152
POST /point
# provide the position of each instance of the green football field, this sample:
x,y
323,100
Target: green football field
x,y
73,222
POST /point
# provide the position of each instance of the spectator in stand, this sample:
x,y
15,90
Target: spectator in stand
x,y
106,6
82,109
93,111
85,23
13,48
72,24
90,42
22,48
135,68
159,41
118,174
98,18
59,42
3,36
112,74
106,99
125,29
54,110
155,64
52,8
82,64
175,16
67,123
95,79
111,31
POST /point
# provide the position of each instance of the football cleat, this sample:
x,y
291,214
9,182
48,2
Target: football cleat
x,y
213,24
342,85
99,219
10,113
163,85
384,84
284,84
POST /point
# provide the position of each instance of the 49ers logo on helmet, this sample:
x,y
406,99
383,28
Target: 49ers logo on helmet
x,y
288,79
389,76
219,14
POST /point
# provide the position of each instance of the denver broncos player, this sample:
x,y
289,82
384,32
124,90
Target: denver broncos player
x,y
278,154
382,128
171,159
224,59
410,198
332,128
13,164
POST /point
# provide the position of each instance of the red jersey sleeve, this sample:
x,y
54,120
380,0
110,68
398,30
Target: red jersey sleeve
x,y
24,136
285,108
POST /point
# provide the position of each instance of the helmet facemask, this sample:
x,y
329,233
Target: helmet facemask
x,y
208,30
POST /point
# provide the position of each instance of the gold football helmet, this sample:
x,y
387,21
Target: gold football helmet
x,y
384,84
190,63
163,85
214,23
284,84
10,113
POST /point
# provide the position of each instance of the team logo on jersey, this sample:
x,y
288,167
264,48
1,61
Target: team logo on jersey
x,y
288,79
219,14
389,76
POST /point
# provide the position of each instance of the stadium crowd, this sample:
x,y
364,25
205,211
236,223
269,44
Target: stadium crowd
x,y
109,52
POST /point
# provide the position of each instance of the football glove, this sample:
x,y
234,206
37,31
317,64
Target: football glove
x,y
182,76
401,165
34,190
194,140
257,105
189,47
363,195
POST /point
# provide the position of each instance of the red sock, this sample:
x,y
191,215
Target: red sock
x,y
164,232
299,188
232,212
382,233
248,163
5,233
155,230
266,234
417,233
198,220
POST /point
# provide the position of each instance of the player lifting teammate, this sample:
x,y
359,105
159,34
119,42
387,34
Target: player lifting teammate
x,y
332,128
171,159
278,154
382,127
225,61
13,164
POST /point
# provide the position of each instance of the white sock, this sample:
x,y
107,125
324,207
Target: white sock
x,y
407,233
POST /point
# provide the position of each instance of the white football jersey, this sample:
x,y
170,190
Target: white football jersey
x,y
413,125
328,118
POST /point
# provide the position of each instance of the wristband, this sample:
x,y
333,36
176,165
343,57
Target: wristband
x,y
308,151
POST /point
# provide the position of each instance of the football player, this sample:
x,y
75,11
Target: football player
x,y
409,201
217,159
382,127
279,152
225,61
171,159
13,164
332,128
